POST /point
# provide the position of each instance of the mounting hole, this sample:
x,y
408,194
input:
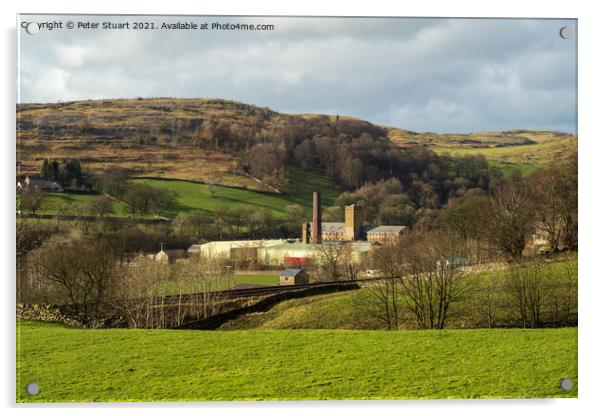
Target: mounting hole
x,y
32,389
566,384
32,28
565,32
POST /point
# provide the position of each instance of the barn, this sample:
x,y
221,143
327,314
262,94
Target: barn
x,y
292,276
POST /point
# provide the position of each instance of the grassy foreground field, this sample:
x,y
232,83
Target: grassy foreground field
x,y
142,365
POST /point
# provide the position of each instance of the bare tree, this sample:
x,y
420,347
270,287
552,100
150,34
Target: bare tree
x,y
212,185
433,278
135,290
529,290
29,236
489,306
31,200
384,295
329,259
100,206
205,280
293,215
509,218
193,223
84,269
554,191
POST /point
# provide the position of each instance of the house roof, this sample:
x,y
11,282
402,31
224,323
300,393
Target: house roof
x,y
290,272
174,252
332,227
241,243
386,229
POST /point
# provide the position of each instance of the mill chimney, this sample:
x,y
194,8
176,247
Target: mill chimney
x,y
316,227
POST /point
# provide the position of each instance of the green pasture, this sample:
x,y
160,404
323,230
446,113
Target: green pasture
x,y
124,365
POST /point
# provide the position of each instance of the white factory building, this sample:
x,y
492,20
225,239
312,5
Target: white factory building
x,y
281,252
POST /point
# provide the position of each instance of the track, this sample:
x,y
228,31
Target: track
x,y
259,291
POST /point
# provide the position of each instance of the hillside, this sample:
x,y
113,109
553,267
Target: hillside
x,y
174,138
524,149
199,139
350,310
194,196
127,365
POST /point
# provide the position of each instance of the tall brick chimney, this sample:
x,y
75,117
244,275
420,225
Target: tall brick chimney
x,y
316,226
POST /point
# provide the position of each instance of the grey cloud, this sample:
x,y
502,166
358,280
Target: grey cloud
x,y
446,75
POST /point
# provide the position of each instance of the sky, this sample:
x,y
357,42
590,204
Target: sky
x,y
439,75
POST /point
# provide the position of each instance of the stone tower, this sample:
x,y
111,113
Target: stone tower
x,y
354,220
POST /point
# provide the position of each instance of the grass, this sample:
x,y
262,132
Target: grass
x,y
55,203
257,279
506,167
194,196
174,287
348,310
524,157
525,150
331,311
85,365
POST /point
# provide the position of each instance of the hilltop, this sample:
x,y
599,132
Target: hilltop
x,y
203,139
173,138
525,149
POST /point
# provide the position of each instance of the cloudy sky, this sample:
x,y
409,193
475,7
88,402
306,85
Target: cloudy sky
x,y
442,75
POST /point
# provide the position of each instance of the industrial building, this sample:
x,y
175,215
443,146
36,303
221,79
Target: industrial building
x,y
351,239
234,250
280,252
352,229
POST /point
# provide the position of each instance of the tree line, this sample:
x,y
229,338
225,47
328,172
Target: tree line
x,y
433,289
96,281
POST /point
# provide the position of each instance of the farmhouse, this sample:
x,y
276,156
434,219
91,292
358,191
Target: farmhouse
x,y
292,276
36,182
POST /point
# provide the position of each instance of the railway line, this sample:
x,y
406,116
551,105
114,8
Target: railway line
x,y
264,291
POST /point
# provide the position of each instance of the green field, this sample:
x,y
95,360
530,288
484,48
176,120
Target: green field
x,y
257,279
74,204
192,196
172,365
173,287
